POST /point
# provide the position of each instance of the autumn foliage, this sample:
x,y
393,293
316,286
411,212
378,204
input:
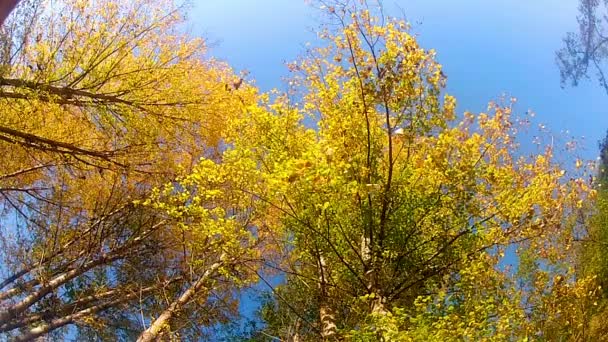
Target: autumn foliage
x,y
144,184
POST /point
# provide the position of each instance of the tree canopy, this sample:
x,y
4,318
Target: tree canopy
x,y
584,52
146,185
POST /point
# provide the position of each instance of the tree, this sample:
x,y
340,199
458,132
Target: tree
x,y
145,185
102,102
585,52
592,251
397,216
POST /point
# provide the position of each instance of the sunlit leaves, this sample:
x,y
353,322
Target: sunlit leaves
x,y
397,197
389,215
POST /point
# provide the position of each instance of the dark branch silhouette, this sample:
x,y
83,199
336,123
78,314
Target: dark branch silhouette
x,y
585,53
6,7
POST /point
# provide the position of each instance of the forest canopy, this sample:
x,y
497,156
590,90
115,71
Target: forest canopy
x,y
146,185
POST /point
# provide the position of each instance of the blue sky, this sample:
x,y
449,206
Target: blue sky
x,y
488,48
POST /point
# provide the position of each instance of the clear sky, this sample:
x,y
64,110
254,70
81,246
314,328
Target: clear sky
x,y
488,48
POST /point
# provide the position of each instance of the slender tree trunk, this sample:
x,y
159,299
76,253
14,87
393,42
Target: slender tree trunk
x,y
43,329
116,254
328,319
65,310
53,284
38,264
155,329
377,302
81,304
295,337
328,325
18,289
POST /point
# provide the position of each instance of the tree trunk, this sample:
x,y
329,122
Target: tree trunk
x,y
53,284
39,264
116,254
371,275
153,332
326,315
62,321
80,305
295,337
